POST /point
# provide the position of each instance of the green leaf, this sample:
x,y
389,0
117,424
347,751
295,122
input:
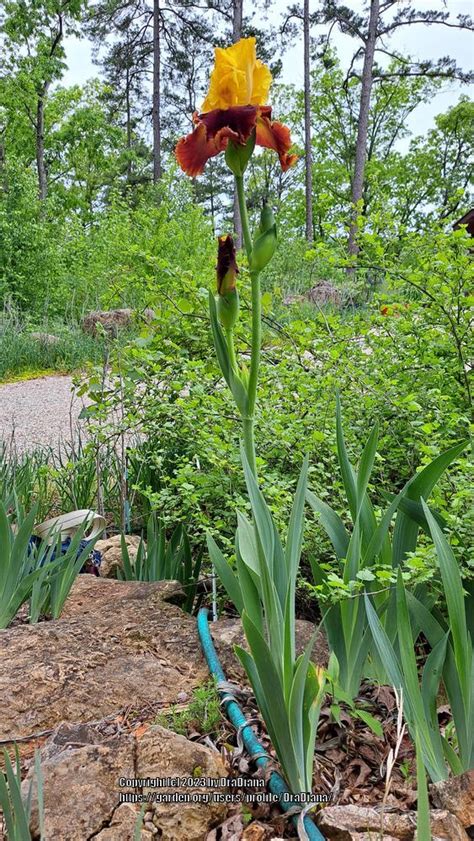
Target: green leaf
x,y
365,466
235,384
423,829
272,689
371,722
262,517
347,471
332,524
224,571
298,697
406,530
248,543
295,528
453,590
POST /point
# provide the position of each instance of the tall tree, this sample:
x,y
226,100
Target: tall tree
x,y
363,122
158,41
307,123
292,30
156,108
35,55
382,18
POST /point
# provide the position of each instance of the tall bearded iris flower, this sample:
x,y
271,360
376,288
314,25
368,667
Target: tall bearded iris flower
x,y
234,110
234,117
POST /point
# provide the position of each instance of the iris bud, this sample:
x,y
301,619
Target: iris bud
x,y
228,307
266,241
227,294
267,219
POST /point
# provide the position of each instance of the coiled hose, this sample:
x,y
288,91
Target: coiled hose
x,y
256,750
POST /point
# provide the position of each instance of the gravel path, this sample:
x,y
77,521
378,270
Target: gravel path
x,y
40,412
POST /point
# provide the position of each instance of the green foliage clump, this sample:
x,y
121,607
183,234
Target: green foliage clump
x,y
16,810
162,560
38,574
202,714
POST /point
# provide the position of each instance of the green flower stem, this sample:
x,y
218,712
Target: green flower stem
x,y
229,335
256,341
248,422
249,443
244,217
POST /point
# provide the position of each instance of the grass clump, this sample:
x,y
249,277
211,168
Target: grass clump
x,y
28,352
202,714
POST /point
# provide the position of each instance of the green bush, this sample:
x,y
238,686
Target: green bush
x,y
399,368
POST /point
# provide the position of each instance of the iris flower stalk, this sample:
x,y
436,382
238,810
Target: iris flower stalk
x,y
233,119
289,689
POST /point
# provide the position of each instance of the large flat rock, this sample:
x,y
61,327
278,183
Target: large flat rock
x,y
86,774
117,643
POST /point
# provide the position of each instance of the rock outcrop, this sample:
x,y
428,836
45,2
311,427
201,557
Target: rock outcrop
x,y
120,649
114,320
359,823
457,796
88,776
111,551
116,643
47,339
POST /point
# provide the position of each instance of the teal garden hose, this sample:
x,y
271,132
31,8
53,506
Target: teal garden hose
x,y
276,783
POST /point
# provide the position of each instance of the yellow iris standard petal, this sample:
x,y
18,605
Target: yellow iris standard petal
x,y
238,77
262,79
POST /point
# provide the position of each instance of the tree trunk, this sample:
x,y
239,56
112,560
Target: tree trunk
x,y
237,18
128,122
40,162
39,123
156,93
307,127
362,124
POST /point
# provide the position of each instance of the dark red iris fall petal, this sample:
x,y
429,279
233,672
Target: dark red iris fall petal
x,y
212,134
214,129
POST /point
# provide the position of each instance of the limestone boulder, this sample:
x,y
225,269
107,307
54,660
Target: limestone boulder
x,y
457,796
113,321
122,825
445,826
117,642
86,775
324,293
359,823
47,339
111,551
80,771
165,755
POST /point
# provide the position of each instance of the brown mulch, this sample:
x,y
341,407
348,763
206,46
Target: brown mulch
x,y
350,766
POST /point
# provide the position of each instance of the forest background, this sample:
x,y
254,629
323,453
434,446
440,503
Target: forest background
x,y
370,291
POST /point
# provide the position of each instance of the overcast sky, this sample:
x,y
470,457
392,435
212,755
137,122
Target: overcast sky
x,y
417,41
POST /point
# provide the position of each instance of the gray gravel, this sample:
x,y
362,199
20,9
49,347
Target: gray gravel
x,y
39,412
